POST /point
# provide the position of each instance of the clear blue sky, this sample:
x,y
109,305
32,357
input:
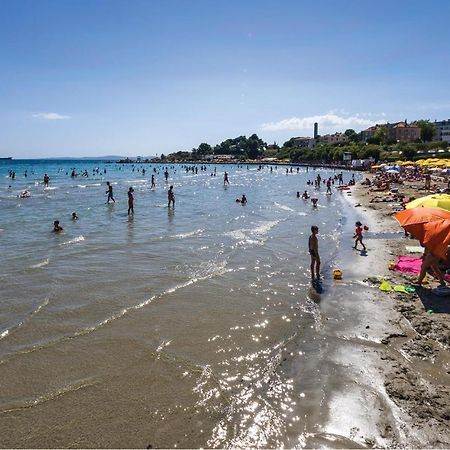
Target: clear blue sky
x,y
81,78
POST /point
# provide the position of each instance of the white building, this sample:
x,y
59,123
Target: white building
x,y
442,132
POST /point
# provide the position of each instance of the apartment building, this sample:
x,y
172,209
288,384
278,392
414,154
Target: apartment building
x,y
442,132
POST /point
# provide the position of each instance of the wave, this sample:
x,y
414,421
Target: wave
x,y
73,241
203,275
189,234
18,405
283,207
9,331
39,265
253,236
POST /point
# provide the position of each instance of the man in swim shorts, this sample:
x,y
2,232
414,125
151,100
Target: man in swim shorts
x,y
313,246
170,197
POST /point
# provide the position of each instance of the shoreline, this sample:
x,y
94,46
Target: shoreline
x,y
414,351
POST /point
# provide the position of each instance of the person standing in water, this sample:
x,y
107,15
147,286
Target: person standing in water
x,y
109,191
130,201
46,180
153,182
166,175
313,246
170,197
225,179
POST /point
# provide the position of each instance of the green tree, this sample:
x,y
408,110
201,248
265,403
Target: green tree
x,y
352,135
204,149
409,151
427,130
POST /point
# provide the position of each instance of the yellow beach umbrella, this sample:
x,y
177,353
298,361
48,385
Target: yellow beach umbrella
x,y
441,201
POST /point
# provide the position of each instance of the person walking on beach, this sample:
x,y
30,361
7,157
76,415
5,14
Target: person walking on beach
x,y
130,201
109,191
170,197
358,235
313,246
153,182
225,179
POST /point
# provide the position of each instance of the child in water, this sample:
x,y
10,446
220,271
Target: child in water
x,y
57,227
242,200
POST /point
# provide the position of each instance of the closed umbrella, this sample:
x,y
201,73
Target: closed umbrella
x,y
431,226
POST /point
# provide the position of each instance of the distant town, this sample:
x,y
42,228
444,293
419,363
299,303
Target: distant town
x,y
389,141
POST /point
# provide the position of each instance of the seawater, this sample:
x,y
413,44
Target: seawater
x,y
170,327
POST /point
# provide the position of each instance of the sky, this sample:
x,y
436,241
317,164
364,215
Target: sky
x,y
132,77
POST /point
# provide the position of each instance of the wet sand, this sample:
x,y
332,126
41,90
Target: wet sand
x,y
415,352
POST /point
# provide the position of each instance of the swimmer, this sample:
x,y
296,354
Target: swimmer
x,y
314,202
74,216
57,227
305,195
242,200
25,194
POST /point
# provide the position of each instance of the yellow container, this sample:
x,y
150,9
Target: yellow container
x,y
337,274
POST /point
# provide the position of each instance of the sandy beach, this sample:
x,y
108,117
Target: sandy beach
x,y
414,357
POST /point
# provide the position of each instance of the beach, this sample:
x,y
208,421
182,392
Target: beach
x,y
197,326
415,358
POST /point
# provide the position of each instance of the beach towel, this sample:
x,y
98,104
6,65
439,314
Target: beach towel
x,y
414,249
408,264
385,286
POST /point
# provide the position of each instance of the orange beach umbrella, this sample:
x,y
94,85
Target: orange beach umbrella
x,y
431,226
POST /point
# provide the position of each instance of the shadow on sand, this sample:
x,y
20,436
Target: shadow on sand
x,y
434,302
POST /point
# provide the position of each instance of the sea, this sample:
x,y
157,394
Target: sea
x,y
193,326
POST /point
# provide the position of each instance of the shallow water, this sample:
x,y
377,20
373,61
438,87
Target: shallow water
x,y
171,327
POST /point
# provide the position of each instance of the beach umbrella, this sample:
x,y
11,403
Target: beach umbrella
x,y
431,226
441,201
